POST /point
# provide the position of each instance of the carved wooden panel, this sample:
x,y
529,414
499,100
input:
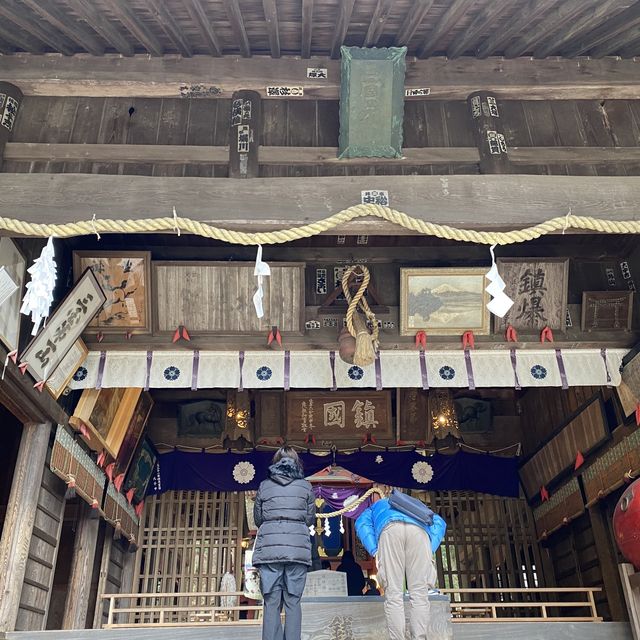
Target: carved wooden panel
x,y
270,409
217,297
414,415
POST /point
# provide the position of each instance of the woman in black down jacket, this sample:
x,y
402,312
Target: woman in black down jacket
x,y
284,510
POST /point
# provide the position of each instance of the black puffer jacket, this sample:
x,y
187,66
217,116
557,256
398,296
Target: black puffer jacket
x,y
284,509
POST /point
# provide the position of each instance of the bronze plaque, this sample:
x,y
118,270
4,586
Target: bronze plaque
x,y
335,416
607,310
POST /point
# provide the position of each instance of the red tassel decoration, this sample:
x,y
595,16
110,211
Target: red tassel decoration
x,y
310,439
579,461
139,508
185,334
544,494
421,340
102,458
176,335
546,334
468,340
400,443
130,495
109,471
638,414
511,334
23,367
100,336
39,385
13,356
118,482
128,335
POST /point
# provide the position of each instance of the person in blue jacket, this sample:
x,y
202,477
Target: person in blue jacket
x,y
403,548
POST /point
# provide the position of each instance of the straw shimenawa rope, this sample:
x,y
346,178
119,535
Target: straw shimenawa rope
x,y
352,505
149,225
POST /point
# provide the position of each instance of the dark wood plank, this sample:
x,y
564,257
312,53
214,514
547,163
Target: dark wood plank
x,y
485,20
135,26
199,16
447,21
141,77
273,30
519,21
244,153
631,47
142,130
163,17
102,25
571,132
172,131
200,131
24,41
412,21
342,26
566,12
73,29
307,28
378,20
237,26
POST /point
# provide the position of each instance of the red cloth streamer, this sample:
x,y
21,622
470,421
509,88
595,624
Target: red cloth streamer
x,y
185,334
23,367
468,340
579,460
39,385
118,482
128,335
13,356
84,432
638,414
181,332
274,334
102,457
368,438
130,495
139,508
309,439
421,340
100,336
546,334
176,335
400,443
109,471
511,334
544,494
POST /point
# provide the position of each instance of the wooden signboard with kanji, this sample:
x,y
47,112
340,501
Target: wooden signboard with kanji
x,y
335,416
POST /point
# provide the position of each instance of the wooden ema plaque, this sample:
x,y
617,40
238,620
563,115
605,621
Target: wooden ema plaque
x,y
563,506
336,416
607,310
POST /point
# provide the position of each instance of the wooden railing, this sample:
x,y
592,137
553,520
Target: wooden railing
x,y
554,604
467,605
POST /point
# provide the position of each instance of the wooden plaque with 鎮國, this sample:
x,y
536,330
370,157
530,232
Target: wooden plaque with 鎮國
x,y
332,416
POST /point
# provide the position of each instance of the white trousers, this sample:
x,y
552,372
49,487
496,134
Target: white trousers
x,y
404,550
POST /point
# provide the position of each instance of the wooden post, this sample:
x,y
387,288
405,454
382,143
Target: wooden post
x,y
244,138
20,518
631,587
489,133
10,102
84,551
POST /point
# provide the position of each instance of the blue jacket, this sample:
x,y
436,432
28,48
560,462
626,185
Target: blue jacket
x,y
370,524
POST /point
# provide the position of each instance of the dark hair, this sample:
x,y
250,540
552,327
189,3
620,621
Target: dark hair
x,y
326,564
287,452
348,555
371,583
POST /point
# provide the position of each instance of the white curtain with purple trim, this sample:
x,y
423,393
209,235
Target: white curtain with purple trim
x,y
167,369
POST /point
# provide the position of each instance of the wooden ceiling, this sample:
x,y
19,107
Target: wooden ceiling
x,y
482,28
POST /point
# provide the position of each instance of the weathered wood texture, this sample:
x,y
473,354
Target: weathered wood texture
x,y
170,77
84,550
22,516
488,130
10,102
245,134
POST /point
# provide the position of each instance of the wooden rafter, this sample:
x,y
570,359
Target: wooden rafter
x,y
23,41
135,26
73,29
342,26
199,17
102,25
447,21
237,26
10,10
412,21
164,18
519,21
618,43
271,18
484,20
602,37
307,28
579,27
632,46
378,19
566,12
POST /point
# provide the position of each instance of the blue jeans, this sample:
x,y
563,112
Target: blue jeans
x,y
282,586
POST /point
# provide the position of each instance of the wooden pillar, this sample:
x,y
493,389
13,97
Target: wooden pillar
x,y
489,133
84,551
604,544
10,102
631,586
20,518
244,138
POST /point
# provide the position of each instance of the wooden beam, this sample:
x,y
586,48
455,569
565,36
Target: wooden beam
x,y
237,26
447,21
307,28
519,21
135,26
102,25
164,18
567,11
73,29
76,606
342,26
199,17
244,134
378,19
141,76
271,18
483,22
16,14
575,155
475,201
20,518
22,41
585,24
412,21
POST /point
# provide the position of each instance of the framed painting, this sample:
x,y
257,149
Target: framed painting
x,y
133,432
141,470
15,266
443,301
125,277
202,419
106,415
58,381
538,288
607,310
